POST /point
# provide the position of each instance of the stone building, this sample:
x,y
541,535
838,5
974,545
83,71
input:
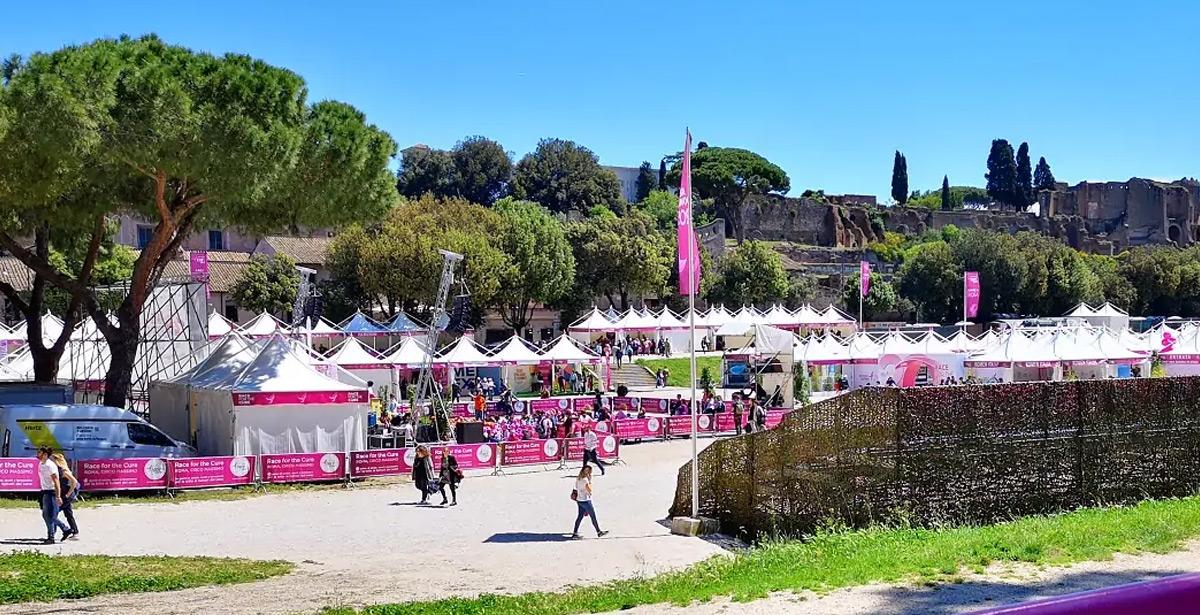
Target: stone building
x,y
1132,213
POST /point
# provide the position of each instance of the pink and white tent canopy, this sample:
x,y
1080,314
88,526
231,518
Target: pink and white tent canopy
x,y
595,321
1183,350
823,350
567,350
464,353
667,321
353,354
230,356
634,320
263,325
409,353
219,326
516,351
318,328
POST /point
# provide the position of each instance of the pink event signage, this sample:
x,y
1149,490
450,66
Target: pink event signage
x,y
301,467
628,429
549,406
530,452
123,474
628,404
864,277
724,421
608,448
300,398
682,425
461,409
654,404
971,294
192,472
19,474
580,404
689,255
379,462
469,456
775,416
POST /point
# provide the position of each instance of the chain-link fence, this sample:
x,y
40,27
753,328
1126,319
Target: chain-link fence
x,y
962,454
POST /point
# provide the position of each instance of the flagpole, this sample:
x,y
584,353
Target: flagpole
x,y
693,253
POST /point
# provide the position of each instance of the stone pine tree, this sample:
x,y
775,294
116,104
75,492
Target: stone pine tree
x,y
1002,173
662,174
946,193
900,179
646,181
1043,179
1024,177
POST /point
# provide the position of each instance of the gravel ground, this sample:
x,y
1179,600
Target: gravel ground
x,y
367,545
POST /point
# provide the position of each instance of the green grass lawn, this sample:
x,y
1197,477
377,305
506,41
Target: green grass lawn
x,y
679,369
833,560
28,576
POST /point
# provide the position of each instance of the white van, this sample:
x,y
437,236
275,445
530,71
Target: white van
x,y
83,432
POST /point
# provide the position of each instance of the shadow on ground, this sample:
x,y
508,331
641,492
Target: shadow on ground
x,y
972,595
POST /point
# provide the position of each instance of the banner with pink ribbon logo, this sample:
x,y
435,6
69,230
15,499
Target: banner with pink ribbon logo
x,y
607,449
196,472
378,462
469,456
630,429
19,474
526,452
775,416
122,474
550,406
303,467
971,293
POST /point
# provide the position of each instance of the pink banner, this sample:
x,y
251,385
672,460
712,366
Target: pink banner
x,y
122,474
725,422
198,262
550,406
682,425
627,404
19,474
300,398
864,277
776,416
582,404
462,410
608,448
469,456
527,452
689,254
303,467
195,472
379,462
971,293
654,404
628,429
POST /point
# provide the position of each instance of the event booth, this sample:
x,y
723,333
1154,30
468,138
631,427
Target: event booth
x,y
767,360
1181,357
361,362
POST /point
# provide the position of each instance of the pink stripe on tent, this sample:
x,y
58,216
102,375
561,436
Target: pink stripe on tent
x,y
300,398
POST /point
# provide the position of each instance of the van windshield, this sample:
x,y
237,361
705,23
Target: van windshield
x,y
141,433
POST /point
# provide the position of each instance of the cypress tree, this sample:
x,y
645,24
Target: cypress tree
x,y
900,179
1043,179
1024,177
662,174
946,193
1002,173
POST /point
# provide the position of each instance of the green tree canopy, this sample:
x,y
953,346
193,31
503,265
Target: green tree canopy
x,y
1025,195
424,170
932,280
1002,174
616,257
180,138
646,181
541,266
483,168
899,179
947,203
881,300
662,206
728,176
267,285
564,176
752,274
1043,178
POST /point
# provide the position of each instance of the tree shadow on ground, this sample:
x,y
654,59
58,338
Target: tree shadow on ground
x,y
510,537
976,595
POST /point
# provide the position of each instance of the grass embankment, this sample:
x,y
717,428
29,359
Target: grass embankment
x,y
678,369
833,560
29,576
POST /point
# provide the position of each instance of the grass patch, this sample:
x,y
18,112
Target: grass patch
x,y
29,576
679,368
833,560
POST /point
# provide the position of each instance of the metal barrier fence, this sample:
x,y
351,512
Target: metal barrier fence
x,y
954,454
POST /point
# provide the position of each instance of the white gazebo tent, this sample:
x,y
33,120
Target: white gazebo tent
x,y
170,407
462,353
676,332
825,357
517,358
278,403
864,354
410,353
634,322
593,326
219,326
263,325
354,357
565,350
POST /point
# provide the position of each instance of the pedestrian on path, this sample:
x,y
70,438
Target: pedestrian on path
x,y
591,442
582,494
69,488
51,496
449,476
422,472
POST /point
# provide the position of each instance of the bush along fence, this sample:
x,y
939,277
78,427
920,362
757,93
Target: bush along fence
x,y
960,454
19,474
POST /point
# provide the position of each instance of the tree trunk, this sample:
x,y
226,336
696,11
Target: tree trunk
x,y
739,233
45,363
122,345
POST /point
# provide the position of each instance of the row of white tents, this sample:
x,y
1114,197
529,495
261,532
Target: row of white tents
x,y
357,325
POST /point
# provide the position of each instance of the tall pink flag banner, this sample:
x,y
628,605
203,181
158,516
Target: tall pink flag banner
x,y
198,259
689,257
19,474
122,474
864,277
195,472
971,293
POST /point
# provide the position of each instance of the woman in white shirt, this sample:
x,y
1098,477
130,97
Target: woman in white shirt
x,y
51,499
582,494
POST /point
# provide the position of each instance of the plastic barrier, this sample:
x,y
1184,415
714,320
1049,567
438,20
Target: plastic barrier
x,y
19,474
609,448
550,406
379,462
530,452
682,425
638,429
135,473
303,467
198,472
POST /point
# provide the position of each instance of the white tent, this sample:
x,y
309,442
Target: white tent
x,y
169,399
263,325
635,321
566,350
354,357
409,353
832,316
52,327
218,325
962,342
516,351
464,353
318,328
596,321
715,317
778,316
277,403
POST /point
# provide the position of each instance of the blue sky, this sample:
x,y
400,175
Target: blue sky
x,y
1105,90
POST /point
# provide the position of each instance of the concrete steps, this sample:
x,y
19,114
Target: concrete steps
x,y
635,377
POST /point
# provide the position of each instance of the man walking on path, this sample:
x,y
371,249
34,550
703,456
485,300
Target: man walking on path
x,y
590,443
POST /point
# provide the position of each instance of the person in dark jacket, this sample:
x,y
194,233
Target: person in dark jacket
x,y
449,476
422,472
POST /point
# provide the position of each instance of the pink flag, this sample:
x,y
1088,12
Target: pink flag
x,y
864,277
689,255
971,293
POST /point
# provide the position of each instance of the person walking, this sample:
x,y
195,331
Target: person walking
x,y
422,472
69,488
591,442
51,491
737,413
582,494
449,476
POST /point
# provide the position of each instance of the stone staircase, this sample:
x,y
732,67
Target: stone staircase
x,y
636,377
